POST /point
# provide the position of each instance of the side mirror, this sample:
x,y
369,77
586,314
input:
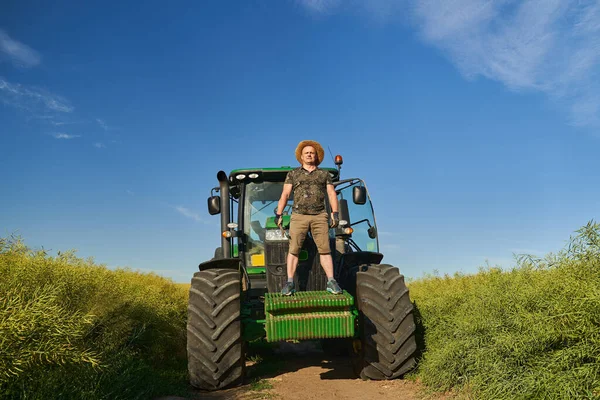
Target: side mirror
x,y
214,205
372,231
359,195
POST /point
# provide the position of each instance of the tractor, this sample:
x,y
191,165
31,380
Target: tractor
x,y
235,297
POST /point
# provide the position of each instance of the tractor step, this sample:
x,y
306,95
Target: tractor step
x,y
309,315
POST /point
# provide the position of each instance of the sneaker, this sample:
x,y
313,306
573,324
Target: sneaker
x,y
288,289
333,287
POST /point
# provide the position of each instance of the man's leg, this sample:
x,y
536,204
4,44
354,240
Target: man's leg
x,y
292,264
298,231
327,264
320,230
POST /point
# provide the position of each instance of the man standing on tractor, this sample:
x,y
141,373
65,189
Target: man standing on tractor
x,y
309,185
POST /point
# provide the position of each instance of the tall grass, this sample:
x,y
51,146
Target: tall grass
x,y
72,329
532,332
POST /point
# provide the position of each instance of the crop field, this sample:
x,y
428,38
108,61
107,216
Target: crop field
x,y
73,329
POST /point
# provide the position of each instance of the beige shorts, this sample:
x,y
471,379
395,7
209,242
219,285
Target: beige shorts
x,y
318,224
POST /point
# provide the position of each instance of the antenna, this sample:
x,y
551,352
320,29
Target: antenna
x,y
331,154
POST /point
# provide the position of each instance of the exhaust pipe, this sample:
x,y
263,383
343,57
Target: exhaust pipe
x,y
225,212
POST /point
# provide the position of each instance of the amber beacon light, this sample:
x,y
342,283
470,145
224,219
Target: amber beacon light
x,y
339,160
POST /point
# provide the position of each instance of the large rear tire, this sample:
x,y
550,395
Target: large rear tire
x,y
386,322
214,341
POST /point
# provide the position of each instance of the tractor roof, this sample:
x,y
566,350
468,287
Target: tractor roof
x,y
271,174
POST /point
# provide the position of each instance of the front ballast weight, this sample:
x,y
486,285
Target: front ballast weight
x,y
309,315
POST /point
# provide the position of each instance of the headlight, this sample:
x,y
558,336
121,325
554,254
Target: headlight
x,y
274,234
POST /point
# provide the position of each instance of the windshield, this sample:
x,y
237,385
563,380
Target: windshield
x,y
260,203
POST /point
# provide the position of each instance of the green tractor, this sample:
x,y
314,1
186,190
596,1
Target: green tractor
x,y
235,297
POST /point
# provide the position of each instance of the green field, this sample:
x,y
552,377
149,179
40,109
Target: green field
x,y
70,328
532,332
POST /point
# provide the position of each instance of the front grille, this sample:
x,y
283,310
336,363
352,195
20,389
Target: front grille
x,y
276,252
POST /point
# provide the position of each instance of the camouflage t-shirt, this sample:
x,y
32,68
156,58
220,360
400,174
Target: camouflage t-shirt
x,y
310,189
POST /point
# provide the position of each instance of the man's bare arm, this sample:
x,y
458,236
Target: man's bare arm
x,y
333,201
285,195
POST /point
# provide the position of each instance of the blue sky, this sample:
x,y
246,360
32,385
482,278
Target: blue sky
x,y
474,123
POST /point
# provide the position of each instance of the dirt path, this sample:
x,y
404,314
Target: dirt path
x,y
303,372
335,379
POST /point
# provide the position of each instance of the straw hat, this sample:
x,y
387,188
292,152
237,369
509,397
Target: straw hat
x,y
315,145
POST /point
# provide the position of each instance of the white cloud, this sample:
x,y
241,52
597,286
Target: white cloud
x,y
188,213
64,136
320,6
35,100
549,46
62,123
18,53
99,145
380,9
102,124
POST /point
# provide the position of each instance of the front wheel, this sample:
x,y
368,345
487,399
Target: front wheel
x,y
386,323
214,341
